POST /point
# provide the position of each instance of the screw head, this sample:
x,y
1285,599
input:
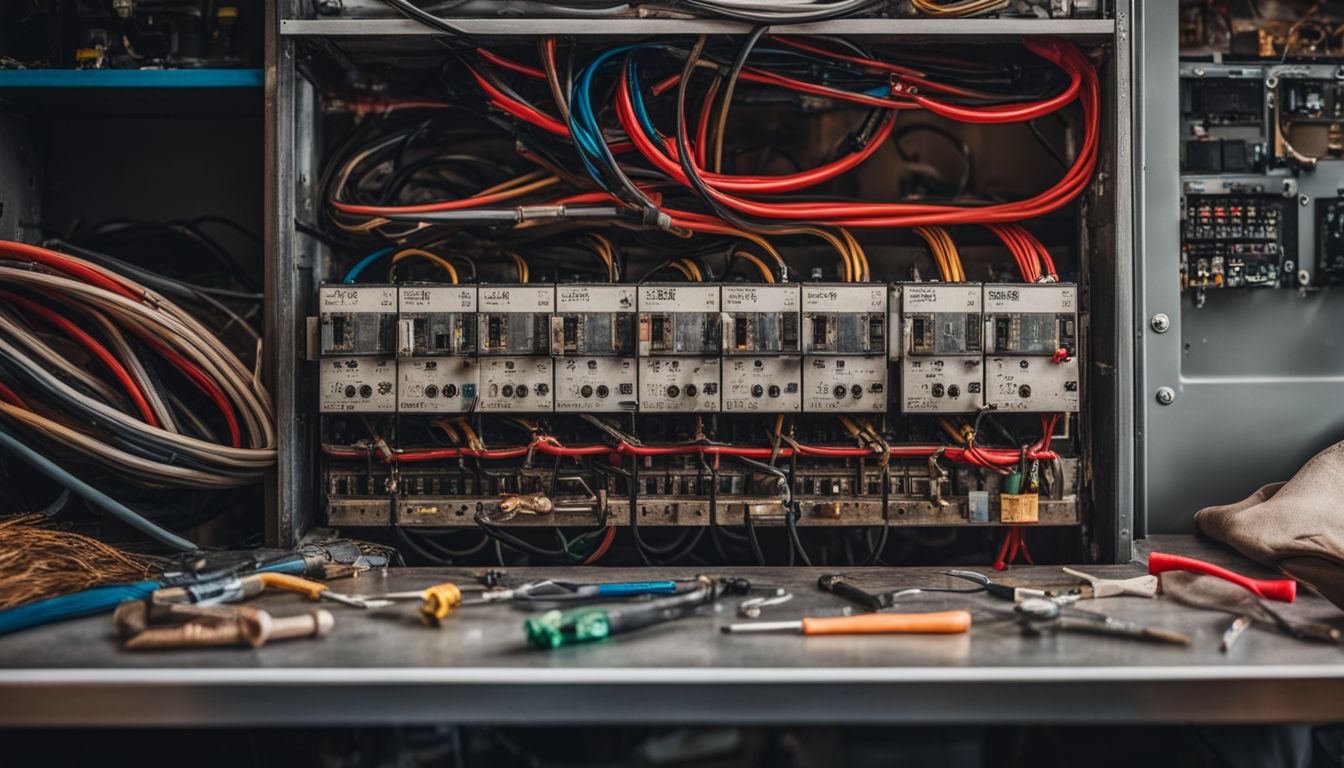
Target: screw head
x,y
1166,395
1161,323
1304,200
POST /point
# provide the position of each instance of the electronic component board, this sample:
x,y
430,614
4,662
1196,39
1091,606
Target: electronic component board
x,y
844,348
680,342
593,341
762,362
1235,234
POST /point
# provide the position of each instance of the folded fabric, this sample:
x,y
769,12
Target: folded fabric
x,y
1296,527
1215,594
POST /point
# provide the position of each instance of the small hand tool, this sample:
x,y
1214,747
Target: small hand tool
x,y
1015,594
238,588
1283,590
1140,586
837,585
554,629
1037,615
1234,632
249,626
935,623
751,607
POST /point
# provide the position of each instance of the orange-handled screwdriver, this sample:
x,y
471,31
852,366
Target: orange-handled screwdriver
x,y
935,623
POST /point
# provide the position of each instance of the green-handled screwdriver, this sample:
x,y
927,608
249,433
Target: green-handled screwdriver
x,y
556,628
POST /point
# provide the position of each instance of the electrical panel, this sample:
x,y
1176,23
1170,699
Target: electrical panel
x,y
845,348
357,334
436,344
680,343
1031,363
593,342
942,348
762,362
516,371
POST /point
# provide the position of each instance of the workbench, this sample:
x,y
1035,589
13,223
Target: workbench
x,y
384,667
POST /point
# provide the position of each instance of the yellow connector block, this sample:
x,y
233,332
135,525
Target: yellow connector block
x,y
1019,508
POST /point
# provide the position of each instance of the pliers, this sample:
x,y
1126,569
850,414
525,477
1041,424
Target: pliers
x,y
1015,594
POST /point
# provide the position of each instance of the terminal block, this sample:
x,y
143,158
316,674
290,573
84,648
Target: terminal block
x,y
516,373
762,365
593,343
1032,360
844,348
942,347
680,341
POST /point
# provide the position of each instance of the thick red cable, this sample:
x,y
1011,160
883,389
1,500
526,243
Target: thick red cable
x,y
93,346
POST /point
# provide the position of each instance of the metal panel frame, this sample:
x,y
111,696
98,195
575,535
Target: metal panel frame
x,y
295,258
1228,432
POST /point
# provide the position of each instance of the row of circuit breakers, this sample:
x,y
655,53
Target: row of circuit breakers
x,y
695,348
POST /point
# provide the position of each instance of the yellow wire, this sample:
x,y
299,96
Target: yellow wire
x,y
520,264
515,182
602,246
699,276
856,250
677,265
411,253
765,271
840,248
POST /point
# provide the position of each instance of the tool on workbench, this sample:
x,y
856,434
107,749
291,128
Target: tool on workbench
x,y
934,623
1038,615
836,584
1139,586
233,626
1016,594
554,629
1234,632
751,607
309,559
238,588
1216,594
1282,590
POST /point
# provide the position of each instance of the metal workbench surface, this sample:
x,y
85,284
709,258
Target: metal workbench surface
x,y
384,667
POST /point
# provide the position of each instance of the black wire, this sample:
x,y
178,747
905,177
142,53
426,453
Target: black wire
x,y
500,535
428,19
779,19
751,535
1040,139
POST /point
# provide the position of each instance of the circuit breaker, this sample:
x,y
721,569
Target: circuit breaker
x,y
1031,363
942,347
357,332
516,372
844,347
593,343
762,362
436,345
1240,239
680,341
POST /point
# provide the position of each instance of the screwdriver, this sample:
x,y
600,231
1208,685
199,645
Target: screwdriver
x,y
935,623
554,629
238,588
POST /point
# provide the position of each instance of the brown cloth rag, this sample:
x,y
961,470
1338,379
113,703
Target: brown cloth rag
x,y
1297,526
1199,591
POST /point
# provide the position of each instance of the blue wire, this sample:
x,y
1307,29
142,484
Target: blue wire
x,y
92,495
353,274
96,600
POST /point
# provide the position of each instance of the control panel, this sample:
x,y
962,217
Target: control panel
x,y
436,345
845,348
593,342
516,372
1031,363
762,362
942,349
680,343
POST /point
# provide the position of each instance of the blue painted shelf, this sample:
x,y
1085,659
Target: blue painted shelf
x,y
130,78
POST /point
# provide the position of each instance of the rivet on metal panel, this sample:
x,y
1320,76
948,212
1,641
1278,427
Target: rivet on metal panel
x,y
1166,395
1161,323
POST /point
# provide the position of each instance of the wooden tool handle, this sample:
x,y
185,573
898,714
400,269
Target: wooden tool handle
x,y
937,623
313,589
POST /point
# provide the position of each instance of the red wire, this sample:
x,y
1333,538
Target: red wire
x,y
197,377
91,344
1064,55
603,547
11,396
65,264
510,64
